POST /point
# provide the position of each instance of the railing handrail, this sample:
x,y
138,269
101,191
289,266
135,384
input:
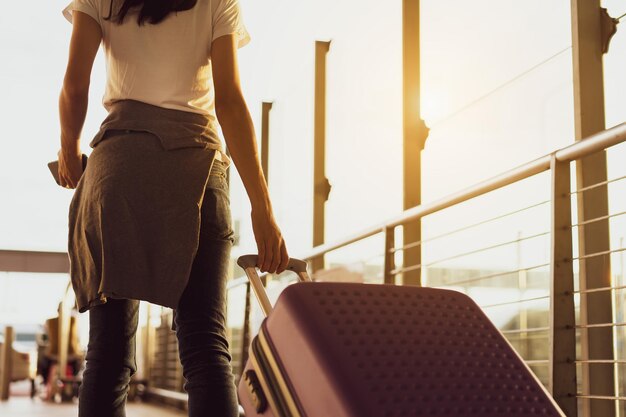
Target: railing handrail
x,y
587,146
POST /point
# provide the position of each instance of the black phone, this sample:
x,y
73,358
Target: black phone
x,y
54,168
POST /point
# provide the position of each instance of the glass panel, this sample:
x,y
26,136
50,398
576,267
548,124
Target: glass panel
x,y
33,209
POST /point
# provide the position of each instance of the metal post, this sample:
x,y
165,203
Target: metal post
x,y
522,281
147,348
415,133
390,237
265,138
64,337
6,367
562,383
587,41
245,336
321,186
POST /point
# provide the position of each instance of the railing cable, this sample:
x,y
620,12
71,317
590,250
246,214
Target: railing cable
x,y
597,219
599,325
598,184
494,275
601,397
498,88
530,330
507,303
414,267
596,254
592,290
462,229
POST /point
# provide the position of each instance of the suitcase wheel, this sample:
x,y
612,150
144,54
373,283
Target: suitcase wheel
x,y
256,391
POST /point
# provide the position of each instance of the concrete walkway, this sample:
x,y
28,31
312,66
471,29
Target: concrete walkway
x,y
21,405
25,407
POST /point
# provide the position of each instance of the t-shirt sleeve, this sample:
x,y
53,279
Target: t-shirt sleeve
x,y
90,7
227,20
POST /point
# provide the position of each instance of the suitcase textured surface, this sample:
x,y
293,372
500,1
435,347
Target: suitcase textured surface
x,y
362,350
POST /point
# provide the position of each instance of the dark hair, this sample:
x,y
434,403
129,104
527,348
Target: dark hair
x,y
153,11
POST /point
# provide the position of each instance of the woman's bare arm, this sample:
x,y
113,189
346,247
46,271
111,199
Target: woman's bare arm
x,y
234,118
86,37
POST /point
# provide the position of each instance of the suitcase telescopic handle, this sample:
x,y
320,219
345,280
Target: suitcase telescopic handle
x,y
248,264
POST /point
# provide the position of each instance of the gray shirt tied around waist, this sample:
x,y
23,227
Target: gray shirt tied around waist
x,y
134,219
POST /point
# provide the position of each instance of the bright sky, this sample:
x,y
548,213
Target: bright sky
x,y
469,49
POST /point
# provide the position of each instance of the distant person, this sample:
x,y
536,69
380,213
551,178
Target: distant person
x,y
150,217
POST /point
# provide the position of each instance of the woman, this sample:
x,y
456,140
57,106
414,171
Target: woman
x,y
150,217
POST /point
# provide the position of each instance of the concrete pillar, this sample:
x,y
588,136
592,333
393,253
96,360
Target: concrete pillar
x,y
587,47
6,366
321,186
415,133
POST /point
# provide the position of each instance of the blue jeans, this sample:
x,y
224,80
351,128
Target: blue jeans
x,y
200,321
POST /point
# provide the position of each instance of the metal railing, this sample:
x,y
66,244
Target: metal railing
x,y
561,332
595,143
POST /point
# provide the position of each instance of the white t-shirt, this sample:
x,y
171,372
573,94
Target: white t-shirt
x,y
167,64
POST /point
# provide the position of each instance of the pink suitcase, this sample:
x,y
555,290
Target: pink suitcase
x,y
367,350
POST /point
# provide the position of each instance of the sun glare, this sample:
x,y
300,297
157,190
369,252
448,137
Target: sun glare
x,y
434,105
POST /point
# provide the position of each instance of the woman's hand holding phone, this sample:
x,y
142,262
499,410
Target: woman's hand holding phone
x,y
70,168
